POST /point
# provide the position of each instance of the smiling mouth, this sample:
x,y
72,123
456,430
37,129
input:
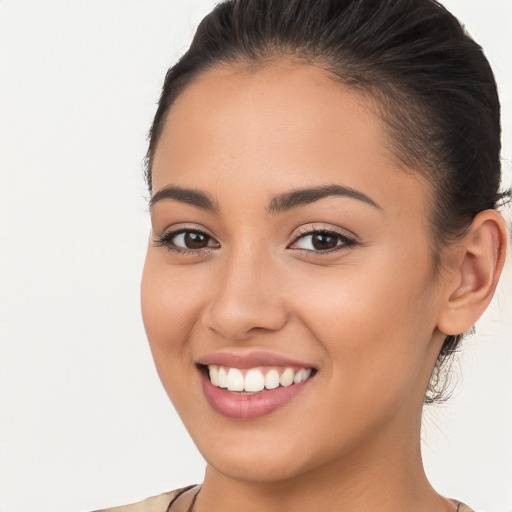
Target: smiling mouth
x,y
249,381
251,385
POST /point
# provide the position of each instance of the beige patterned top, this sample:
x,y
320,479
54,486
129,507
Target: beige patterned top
x,y
163,502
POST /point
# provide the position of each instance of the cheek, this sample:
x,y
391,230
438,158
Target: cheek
x,y
169,299
375,326
171,304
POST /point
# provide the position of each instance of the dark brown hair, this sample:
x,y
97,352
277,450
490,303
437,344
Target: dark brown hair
x,y
430,81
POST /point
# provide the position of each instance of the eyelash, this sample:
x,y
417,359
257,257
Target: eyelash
x,y
343,241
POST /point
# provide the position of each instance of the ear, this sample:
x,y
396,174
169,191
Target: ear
x,y
474,272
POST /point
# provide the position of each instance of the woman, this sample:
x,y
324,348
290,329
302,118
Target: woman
x,y
324,183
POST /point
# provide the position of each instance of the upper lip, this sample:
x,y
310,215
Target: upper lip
x,y
244,360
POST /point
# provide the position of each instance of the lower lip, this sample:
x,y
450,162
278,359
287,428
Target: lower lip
x,y
247,407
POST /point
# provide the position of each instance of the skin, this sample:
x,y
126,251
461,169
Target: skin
x,y
367,317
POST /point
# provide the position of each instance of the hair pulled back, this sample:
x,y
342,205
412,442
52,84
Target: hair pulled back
x,y
429,81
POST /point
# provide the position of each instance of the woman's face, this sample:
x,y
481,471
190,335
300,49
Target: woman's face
x,y
287,241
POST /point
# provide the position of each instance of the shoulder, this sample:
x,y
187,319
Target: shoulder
x,y
158,503
464,508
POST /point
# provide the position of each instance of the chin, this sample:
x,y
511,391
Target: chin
x,y
266,451
257,466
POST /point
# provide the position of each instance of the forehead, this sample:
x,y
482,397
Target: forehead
x,y
280,126
294,102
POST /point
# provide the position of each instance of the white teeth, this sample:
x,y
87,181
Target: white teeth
x,y
272,379
214,374
223,378
301,375
286,378
255,380
235,380
305,373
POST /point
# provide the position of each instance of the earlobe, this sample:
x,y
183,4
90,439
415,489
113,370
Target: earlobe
x,y
476,270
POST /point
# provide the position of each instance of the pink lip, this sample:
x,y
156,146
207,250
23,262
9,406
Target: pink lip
x,y
250,360
245,407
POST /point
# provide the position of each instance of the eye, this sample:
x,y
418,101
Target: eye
x,y
192,240
322,241
186,240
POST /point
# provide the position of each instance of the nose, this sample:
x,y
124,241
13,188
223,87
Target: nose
x,y
246,298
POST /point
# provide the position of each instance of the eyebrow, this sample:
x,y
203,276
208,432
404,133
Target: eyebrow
x,y
304,196
281,203
185,195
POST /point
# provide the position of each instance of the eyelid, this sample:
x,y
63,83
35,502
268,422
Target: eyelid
x,y
320,227
177,228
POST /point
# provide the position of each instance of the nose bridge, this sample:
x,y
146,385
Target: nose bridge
x,y
245,297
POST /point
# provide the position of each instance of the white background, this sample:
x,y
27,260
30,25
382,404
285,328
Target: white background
x,y
83,420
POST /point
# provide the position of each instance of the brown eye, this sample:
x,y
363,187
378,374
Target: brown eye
x,y
324,242
193,240
187,240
